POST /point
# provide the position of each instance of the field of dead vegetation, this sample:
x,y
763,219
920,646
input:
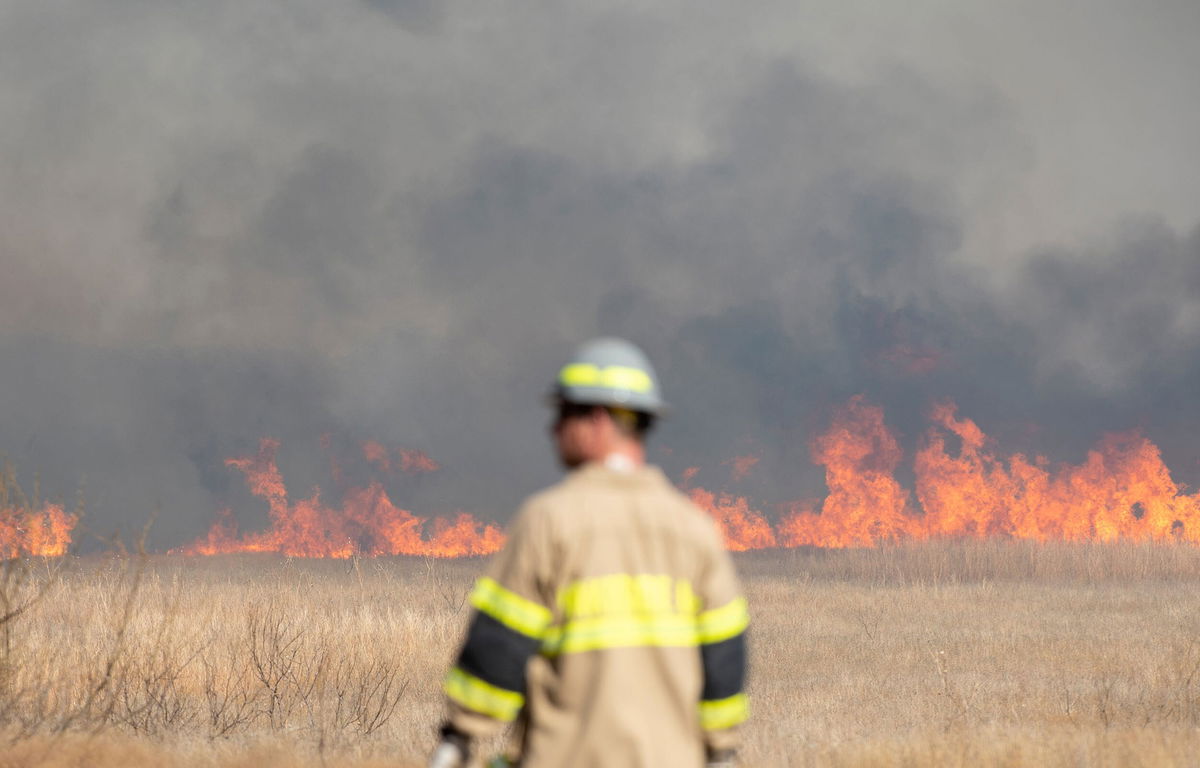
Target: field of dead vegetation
x,y
938,654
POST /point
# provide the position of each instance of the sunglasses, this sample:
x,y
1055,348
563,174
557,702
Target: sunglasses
x,y
568,411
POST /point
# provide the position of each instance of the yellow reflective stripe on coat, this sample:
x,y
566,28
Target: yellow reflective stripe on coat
x,y
613,377
623,610
482,697
510,609
724,713
627,594
621,631
723,623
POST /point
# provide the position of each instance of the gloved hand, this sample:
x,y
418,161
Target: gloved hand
x,y
720,758
452,751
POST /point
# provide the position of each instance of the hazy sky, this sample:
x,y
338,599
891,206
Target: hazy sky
x,y
392,219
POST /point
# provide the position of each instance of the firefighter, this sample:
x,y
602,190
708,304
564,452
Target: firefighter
x,y
611,626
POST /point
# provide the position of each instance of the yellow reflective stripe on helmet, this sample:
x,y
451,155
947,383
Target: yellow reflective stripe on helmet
x,y
724,713
724,622
482,697
510,609
611,377
602,632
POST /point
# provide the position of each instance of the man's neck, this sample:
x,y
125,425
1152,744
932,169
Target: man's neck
x,y
620,462
625,458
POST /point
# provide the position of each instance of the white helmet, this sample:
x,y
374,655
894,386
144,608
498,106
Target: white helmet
x,y
611,372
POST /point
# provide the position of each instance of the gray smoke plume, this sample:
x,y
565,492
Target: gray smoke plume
x,y
391,220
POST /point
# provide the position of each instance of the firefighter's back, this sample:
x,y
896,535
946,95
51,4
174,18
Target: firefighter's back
x,y
631,564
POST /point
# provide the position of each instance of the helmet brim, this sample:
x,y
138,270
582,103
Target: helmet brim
x,y
606,398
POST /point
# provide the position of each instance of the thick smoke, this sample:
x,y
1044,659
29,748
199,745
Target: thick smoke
x,y
390,221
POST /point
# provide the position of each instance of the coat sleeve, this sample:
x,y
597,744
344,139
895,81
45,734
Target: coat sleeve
x,y
721,630
485,688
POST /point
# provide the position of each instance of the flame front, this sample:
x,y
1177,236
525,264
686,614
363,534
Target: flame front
x,y
410,462
865,504
366,522
42,532
741,527
1123,490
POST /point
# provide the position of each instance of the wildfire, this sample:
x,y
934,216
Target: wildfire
x,y
742,465
42,532
409,462
366,522
1122,490
963,489
377,453
742,527
865,504
417,462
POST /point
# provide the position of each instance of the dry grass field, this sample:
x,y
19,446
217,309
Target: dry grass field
x,y
940,654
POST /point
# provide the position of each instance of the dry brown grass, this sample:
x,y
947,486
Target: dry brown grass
x,y
962,654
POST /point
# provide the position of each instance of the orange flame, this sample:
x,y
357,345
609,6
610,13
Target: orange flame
x,y
411,462
366,523
42,532
742,528
417,462
377,454
1123,490
742,465
865,504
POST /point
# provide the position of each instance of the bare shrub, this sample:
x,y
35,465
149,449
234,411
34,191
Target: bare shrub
x,y
274,646
231,702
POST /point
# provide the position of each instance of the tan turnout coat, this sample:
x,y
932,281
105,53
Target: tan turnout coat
x,y
611,626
